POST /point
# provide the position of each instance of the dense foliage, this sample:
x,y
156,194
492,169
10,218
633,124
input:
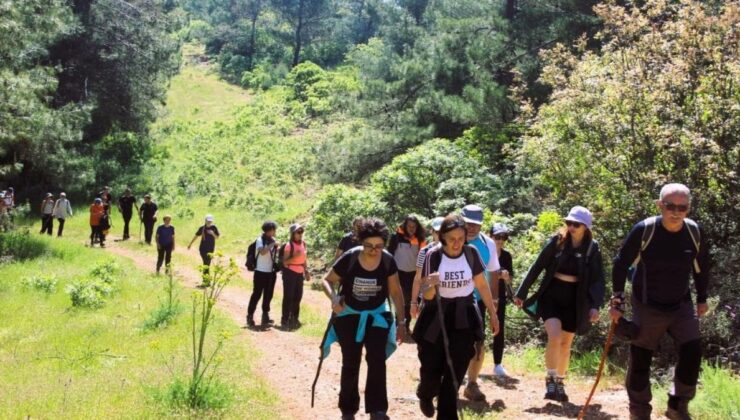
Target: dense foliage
x,y
80,84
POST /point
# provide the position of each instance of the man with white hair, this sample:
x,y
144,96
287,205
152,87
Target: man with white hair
x,y
663,252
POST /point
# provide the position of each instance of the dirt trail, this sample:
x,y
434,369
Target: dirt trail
x,y
288,364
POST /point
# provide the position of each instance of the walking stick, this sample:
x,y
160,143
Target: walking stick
x,y
321,357
608,344
139,230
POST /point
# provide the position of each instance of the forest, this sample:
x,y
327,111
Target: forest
x,y
317,111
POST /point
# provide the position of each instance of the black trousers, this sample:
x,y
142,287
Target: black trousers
x,y
376,393
47,223
148,230
126,220
164,253
436,377
206,255
264,284
97,232
61,226
292,295
407,282
498,340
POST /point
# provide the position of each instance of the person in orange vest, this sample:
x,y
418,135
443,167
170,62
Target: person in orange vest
x,y
97,211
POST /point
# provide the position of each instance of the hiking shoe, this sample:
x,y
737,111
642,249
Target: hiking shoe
x,y
348,416
499,371
560,390
551,392
678,409
250,321
472,392
427,406
266,320
379,415
636,416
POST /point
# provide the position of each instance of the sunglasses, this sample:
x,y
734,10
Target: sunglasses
x,y
501,237
370,247
681,208
574,224
454,225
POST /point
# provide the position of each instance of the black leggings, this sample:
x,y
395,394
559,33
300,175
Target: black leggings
x,y
292,295
407,282
47,223
61,226
206,255
498,340
376,393
97,232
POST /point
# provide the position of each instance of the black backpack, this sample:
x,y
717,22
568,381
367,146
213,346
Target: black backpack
x,y
252,256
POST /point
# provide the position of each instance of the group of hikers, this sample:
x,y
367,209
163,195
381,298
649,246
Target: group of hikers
x,y
455,288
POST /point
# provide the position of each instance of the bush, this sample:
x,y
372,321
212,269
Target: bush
x,y
336,206
213,396
433,179
21,246
43,283
89,293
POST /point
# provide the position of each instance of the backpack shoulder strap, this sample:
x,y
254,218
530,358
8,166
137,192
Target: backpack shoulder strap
x,y
353,257
387,260
470,256
647,236
695,238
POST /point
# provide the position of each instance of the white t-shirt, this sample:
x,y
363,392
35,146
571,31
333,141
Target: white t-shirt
x,y
264,261
455,274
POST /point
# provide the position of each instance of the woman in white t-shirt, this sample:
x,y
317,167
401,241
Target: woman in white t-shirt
x,y
455,270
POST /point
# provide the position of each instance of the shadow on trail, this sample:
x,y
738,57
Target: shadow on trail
x,y
571,411
483,407
506,382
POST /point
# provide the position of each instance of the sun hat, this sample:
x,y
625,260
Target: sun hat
x,y
580,214
499,228
294,227
209,217
437,223
472,214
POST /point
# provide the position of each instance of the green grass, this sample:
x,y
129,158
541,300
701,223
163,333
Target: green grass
x,y
716,397
59,361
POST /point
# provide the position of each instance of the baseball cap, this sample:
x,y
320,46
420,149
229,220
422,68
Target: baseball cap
x,y
294,227
437,223
209,217
472,214
580,214
98,201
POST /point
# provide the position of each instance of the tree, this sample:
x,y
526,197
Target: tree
x,y
307,19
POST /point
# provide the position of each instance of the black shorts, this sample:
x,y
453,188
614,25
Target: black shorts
x,y
559,301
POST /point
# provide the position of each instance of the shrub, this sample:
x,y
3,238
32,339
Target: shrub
x,y
43,283
336,206
89,293
21,246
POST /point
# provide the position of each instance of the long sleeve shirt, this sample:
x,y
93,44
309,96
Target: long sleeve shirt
x,y
663,274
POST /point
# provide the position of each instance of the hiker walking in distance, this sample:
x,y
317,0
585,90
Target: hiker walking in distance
x,y
450,323
148,216
107,198
473,217
366,277
266,248
47,214
665,251
62,210
405,244
126,204
500,235
165,239
208,233
569,296
294,272
97,212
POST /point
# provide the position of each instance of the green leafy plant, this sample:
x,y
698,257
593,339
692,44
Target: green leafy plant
x,y
43,283
168,310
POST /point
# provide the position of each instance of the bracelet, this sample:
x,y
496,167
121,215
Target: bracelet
x,y
414,303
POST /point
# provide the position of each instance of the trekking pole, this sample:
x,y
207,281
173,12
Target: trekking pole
x,y
321,356
608,344
448,357
140,230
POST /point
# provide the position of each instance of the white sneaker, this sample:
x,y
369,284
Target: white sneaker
x,y
499,371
